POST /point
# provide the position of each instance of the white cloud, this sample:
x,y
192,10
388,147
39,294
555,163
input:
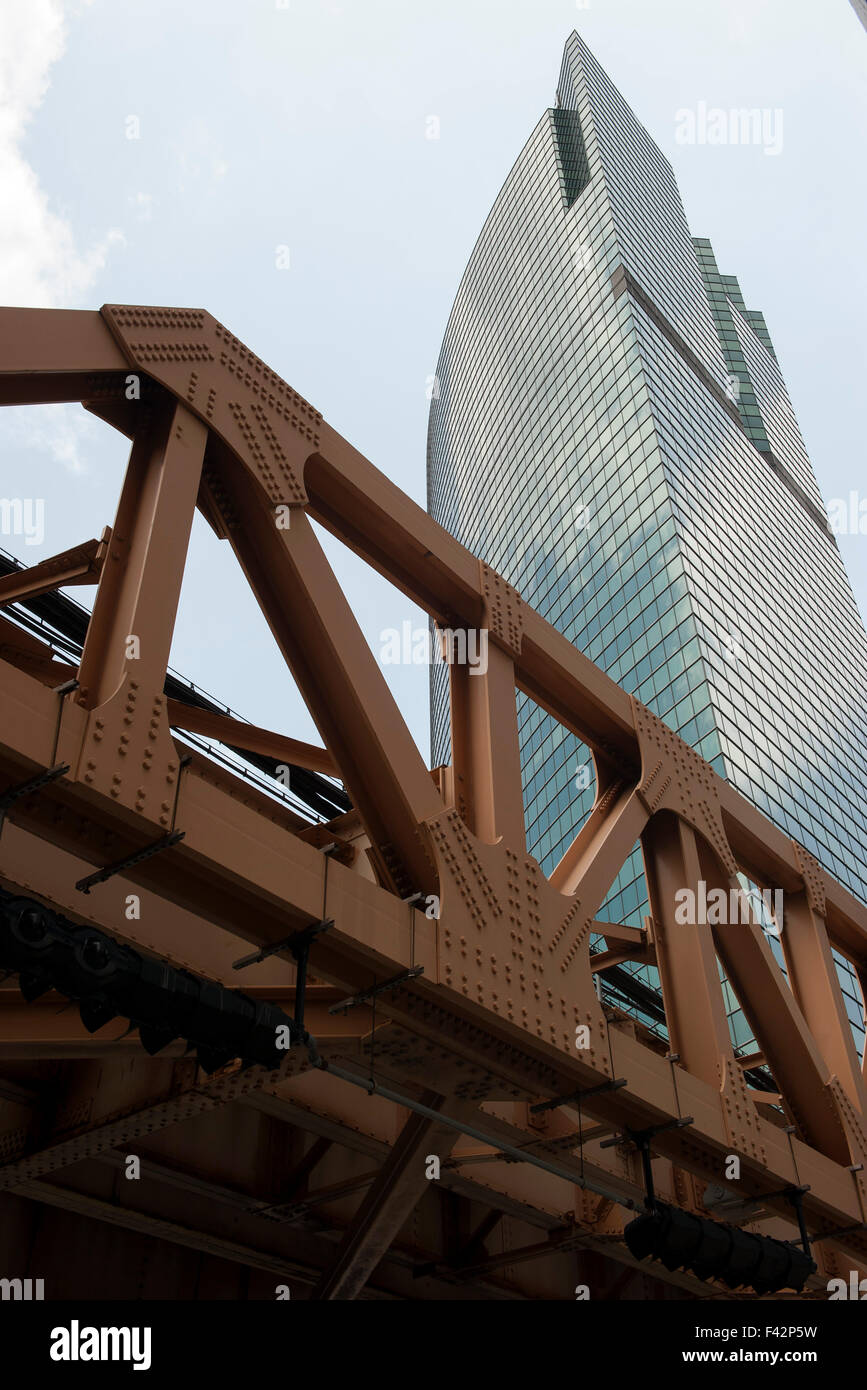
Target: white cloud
x,y
200,159
40,262
65,433
142,205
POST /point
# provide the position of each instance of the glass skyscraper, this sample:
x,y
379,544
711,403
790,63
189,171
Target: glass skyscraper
x,y
610,431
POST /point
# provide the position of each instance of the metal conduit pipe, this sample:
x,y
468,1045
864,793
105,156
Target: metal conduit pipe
x,y
374,1088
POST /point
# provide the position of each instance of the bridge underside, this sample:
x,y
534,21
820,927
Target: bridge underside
x,y
393,1150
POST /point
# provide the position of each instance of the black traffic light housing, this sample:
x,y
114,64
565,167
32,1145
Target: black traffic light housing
x,y
711,1250
111,980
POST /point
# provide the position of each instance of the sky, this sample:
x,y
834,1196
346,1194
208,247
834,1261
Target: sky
x,y
274,164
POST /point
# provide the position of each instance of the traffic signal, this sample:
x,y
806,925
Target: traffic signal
x,y
111,980
711,1250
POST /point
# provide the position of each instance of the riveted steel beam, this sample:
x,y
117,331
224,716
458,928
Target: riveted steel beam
x,y
498,977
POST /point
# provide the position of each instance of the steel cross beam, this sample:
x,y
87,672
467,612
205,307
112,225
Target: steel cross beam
x,y
507,983
383,1212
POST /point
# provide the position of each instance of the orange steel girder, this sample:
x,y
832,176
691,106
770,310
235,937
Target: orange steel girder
x,y
507,977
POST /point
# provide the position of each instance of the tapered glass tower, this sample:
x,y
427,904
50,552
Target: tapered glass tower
x,y
610,431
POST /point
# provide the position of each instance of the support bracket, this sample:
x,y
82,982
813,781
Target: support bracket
x,y
12,794
84,885
362,998
613,1085
298,943
641,1139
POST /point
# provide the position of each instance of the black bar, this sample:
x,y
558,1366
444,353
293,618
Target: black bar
x,y
33,785
578,1095
288,943
376,989
84,885
638,1136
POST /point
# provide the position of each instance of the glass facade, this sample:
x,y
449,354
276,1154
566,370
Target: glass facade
x,y
611,432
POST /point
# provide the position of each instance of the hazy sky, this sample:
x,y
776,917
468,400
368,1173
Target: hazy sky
x,y
305,126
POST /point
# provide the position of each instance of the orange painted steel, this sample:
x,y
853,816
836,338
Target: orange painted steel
x,y
491,1024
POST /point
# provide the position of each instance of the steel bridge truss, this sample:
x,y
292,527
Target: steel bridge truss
x,y
485,1003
